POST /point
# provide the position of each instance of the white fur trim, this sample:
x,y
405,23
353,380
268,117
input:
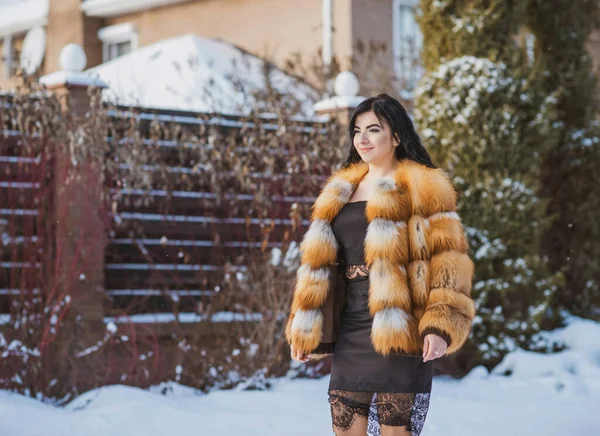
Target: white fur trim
x,y
381,233
306,320
343,189
439,215
402,268
401,224
319,231
386,184
382,282
390,319
317,275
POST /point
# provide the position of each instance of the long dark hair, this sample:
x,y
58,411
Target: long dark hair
x,y
390,110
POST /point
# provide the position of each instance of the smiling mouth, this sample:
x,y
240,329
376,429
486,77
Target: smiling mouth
x,y
364,150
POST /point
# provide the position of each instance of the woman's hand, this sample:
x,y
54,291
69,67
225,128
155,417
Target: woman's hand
x,y
434,347
298,354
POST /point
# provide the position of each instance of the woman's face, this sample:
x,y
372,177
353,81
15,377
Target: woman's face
x,y
373,139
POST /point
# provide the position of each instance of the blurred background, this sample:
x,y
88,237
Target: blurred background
x,y
158,162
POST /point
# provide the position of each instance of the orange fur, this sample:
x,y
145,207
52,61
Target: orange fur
x,y
430,189
308,341
410,225
288,327
388,287
327,206
417,229
418,312
310,293
354,173
446,234
450,297
419,279
452,269
318,249
386,341
450,312
394,206
393,249
403,249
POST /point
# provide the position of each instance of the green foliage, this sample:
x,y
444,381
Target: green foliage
x,y
571,165
485,118
455,28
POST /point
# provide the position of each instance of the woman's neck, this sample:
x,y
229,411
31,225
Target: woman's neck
x,y
377,171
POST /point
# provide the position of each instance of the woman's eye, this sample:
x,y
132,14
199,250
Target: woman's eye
x,y
374,130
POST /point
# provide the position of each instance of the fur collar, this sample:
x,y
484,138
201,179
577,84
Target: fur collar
x,y
414,189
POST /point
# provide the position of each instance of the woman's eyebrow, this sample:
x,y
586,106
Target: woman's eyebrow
x,y
369,126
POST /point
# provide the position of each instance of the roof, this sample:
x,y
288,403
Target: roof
x,y
192,73
111,8
18,16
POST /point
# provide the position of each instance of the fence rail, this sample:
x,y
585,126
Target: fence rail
x,y
165,247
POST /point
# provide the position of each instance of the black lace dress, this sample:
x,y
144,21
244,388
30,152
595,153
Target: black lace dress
x,y
392,390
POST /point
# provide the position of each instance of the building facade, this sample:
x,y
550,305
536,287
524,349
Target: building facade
x,y
32,32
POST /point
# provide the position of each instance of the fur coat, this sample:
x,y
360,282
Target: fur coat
x,y
416,250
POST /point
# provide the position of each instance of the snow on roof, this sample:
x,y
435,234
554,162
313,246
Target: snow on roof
x,y
109,8
192,73
20,15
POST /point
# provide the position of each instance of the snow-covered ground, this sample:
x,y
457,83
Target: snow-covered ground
x,y
547,395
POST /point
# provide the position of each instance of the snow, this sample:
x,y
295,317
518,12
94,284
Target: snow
x,y
467,80
192,73
338,102
59,78
546,394
109,8
183,317
20,15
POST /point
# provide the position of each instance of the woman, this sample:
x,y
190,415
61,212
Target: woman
x,y
385,278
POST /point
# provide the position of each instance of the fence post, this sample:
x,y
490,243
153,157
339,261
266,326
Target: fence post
x,y
80,234
341,105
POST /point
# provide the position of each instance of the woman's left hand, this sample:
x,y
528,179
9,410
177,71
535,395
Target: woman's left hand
x,y
434,347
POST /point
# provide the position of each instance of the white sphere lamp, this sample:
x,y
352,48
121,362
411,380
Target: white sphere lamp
x,y
346,98
346,84
72,58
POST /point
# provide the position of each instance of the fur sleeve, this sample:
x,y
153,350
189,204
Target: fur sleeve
x,y
449,310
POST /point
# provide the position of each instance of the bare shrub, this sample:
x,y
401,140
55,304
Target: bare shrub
x,y
261,170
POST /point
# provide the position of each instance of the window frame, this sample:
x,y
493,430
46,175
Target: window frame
x,y
399,73
8,56
111,36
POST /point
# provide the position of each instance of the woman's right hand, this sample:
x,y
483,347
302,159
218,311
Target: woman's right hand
x,y
298,354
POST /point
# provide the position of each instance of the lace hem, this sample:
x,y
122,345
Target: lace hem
x,y
366,385
392,409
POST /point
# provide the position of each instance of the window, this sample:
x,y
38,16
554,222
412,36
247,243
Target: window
x,y
530,47
8,56
407,44
117,40
525,40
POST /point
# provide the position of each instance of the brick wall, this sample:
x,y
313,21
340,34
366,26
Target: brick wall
x,y
276,28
